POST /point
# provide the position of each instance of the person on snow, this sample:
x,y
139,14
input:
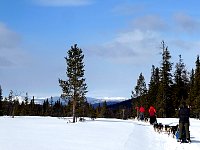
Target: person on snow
x,y
142,110
137,110
184,115
152,115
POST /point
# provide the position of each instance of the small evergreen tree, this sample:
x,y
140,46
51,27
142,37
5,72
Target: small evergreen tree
x,y
26,106
103,112
140,92
32,107
11,106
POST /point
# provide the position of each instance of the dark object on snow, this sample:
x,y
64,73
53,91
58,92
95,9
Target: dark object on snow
x,y
152,115
93,117
183,139
81,119
174,129
184,115
146,119
167,129
158,127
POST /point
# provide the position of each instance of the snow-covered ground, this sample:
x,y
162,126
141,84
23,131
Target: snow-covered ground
x,y
48,133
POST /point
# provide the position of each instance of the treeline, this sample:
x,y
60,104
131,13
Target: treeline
x,y
167,90
10,106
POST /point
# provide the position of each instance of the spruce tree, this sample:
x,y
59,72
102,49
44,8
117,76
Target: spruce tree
x,y
74,88
191,97
26,104
11,106
153,87
140,91
103,112
32,107
180,86
164,95
196,89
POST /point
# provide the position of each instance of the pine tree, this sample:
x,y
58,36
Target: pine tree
x,y
164,95
32,107
46,107
26,106
153,87
196,89
191,97
10,99
103,112
22,109
180,86
74,88
140,91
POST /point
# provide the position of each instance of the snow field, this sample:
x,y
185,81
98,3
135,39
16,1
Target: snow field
x,y
50,133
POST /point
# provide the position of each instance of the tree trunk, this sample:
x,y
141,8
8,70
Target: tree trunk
x,y
74,109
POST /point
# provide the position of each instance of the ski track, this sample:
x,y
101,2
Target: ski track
x,y
155,140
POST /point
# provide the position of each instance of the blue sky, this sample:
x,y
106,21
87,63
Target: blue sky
x,y
119,38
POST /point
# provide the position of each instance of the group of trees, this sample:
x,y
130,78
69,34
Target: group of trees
x,y
11,106
167,90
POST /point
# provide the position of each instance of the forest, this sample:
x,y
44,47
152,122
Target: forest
x,y
165,91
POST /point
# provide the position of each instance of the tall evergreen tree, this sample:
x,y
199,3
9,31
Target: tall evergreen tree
x,y
74,88
196,89
153,87
181,81
191,96
164,94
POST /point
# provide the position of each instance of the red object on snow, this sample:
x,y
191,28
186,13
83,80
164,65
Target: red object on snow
x,y
152,111
142,110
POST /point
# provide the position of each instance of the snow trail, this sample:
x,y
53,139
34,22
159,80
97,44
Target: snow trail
x,y
143,137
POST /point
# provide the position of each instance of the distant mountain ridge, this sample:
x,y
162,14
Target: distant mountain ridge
x,y
91,100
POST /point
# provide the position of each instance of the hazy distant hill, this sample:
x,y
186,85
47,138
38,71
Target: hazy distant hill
x,y
93,101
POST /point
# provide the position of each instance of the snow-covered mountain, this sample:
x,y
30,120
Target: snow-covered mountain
x,y
93,101
109,100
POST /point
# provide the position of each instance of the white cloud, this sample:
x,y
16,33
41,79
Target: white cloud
x,y
186,23
62,3
150,22
128,9
140,43
10,47
136,46
8,38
